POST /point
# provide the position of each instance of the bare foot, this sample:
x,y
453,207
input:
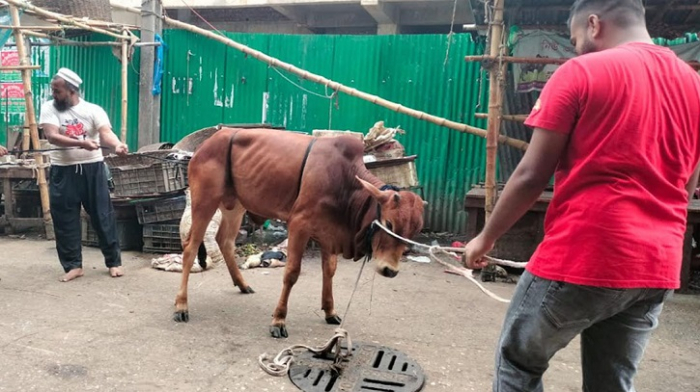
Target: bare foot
x,y
72,274
116,272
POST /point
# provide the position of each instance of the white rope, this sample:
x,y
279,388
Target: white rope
x,y
467,273
303,88
280,364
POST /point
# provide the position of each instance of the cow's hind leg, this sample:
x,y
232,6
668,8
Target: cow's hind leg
x,y
329,262
203,209
226,238
295,250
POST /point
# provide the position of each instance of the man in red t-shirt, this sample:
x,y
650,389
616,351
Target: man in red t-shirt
x,y
619,128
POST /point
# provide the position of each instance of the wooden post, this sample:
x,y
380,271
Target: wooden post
x,y
149,104
125,83
30,119
496,72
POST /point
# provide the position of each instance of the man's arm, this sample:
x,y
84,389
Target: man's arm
x,y
521,191
54,137
109,139
3,151
527,182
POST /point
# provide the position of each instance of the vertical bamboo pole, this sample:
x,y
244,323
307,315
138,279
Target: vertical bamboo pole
x,y
30,117
26,134
496,71
125,85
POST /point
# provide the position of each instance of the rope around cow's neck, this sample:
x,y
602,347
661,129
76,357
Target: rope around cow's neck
x,y
467,273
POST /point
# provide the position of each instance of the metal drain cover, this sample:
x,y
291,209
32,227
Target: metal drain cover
x,y
371,368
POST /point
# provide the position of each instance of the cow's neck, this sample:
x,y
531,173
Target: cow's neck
x,y
363,211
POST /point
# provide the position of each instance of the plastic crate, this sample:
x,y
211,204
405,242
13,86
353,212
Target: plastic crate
x,y
161,209
162,237
147,174
128,234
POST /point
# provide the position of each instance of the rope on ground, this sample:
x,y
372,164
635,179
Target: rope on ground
x,y
467,273
280,364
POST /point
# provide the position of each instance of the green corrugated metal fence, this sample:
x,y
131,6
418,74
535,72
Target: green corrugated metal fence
x,y
207,83
101,74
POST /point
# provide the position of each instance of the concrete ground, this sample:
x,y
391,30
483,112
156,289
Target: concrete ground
x,y
99,333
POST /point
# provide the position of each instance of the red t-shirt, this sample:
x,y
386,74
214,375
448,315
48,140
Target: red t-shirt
x,y
618,215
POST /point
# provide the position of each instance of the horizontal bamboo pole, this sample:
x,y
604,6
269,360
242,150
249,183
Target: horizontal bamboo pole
x,y
61,18
126,8
538,60
339,87
507,117
519,60
36,34
48,28
18,67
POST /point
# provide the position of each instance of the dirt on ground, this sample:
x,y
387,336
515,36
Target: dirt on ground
x,y
100,333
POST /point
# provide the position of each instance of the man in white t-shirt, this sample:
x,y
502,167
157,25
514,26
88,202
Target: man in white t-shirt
x,y
78,174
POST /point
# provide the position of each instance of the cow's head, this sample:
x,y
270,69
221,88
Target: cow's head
x,y
402,213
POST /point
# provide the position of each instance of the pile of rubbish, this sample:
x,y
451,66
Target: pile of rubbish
x,y
380,143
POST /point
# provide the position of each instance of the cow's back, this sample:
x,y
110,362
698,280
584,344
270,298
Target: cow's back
x,y
266,167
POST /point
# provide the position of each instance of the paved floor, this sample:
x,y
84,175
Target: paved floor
x,y
105,334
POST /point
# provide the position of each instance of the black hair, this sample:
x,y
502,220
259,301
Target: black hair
x,y
72,88
624,13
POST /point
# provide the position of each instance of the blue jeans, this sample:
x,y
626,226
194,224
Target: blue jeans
x,y
544,316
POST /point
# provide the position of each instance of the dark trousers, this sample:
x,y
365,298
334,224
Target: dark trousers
x,y
86,185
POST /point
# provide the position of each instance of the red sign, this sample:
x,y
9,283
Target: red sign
x,y
9,58
11,90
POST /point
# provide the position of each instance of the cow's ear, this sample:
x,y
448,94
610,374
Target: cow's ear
x,y
381,196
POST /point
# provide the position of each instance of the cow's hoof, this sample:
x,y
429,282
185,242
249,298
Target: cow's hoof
x,y
247,290
278,332
333,320
181,316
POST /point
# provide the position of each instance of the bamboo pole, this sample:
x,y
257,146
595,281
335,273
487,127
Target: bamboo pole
x,y
496,73
537,60
61,18
519,144
125,85
506,117
517,60
34,28
30,118
18,67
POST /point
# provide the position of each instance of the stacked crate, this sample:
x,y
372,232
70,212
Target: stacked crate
x,y
128,228
154,183
160,218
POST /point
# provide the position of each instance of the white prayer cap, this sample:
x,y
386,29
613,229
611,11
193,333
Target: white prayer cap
x,y
69,76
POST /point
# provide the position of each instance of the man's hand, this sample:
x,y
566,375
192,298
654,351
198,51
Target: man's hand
x,y
122,149
89,145
3,151
475,251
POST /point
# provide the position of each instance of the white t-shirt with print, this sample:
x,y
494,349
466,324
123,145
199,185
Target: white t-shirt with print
x,y
81,122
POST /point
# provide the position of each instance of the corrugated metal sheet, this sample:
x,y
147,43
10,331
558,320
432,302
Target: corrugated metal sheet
x,y
228,87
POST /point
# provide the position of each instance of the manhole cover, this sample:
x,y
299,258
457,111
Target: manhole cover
x,y
371,368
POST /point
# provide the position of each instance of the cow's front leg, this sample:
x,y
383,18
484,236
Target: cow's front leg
x,y
295,250
330,263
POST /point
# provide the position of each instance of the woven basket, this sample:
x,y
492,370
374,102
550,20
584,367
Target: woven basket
x,y
93,9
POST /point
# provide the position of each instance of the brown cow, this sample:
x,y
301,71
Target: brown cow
x,y
319,186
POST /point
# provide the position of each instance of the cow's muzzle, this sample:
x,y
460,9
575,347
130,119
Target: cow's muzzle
x,y
388,272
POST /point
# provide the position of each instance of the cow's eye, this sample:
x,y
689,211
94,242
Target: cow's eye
x,y
389,226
